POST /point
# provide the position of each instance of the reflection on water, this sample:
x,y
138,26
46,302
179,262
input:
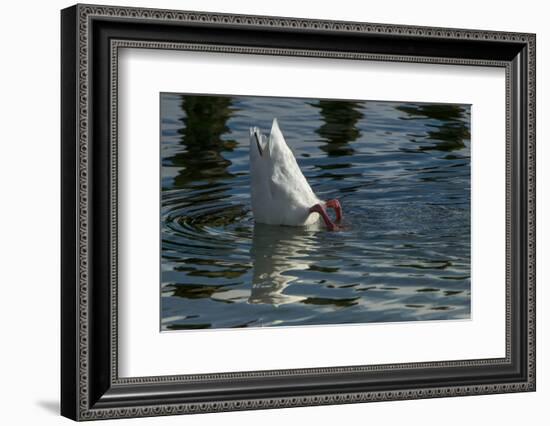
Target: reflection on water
x,y
277,252
449,132
203,124
339,126
401,171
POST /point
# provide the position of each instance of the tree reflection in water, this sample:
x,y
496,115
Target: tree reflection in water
x,y
449,128
339,126
204,124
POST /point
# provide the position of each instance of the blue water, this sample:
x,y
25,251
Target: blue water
x,y
401,172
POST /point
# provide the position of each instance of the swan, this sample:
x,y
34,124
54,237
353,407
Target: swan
x,y
280,193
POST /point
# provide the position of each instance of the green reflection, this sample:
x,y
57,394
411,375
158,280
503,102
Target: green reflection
x,y
450,133
204,124
339,126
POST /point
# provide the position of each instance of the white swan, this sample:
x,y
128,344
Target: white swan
x,y
280,193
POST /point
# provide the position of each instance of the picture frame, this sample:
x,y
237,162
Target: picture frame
x,y
91,37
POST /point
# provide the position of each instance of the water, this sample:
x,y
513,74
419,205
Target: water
x,y
401,172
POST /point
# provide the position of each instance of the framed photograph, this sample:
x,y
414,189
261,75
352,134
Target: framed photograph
x,y
263,212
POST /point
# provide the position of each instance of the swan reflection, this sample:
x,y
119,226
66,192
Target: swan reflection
x,y
276,252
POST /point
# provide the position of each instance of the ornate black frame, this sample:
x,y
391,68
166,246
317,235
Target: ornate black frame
x,y
91,37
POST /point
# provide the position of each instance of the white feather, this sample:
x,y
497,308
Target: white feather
x,y
280,192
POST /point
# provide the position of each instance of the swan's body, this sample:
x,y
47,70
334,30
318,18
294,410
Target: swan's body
x,y
280,193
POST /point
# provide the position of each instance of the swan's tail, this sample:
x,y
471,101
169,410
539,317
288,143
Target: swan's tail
x,y
258,141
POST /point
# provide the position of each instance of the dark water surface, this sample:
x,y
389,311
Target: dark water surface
x,y
401,172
